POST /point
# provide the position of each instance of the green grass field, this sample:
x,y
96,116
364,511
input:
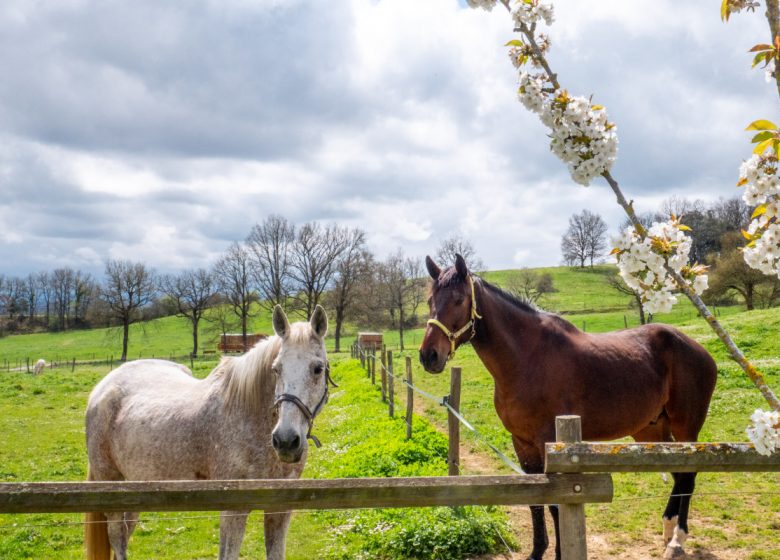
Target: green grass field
x,y
733,516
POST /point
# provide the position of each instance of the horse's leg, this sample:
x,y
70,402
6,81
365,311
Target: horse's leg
x,y
119,533
276,525
532,463
232,525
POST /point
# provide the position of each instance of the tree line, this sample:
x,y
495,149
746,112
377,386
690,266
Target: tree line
x,y
716,242
278,262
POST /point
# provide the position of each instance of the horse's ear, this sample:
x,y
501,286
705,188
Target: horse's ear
x,y
433,268
460,266
280,322
319,322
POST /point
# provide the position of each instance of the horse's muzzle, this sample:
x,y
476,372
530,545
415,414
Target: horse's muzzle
x,y
288,445
432,361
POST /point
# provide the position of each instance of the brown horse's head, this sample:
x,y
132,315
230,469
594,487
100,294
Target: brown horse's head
x,y
452,312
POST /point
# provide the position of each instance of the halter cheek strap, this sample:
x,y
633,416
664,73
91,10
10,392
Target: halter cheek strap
x,y
472,324
309,414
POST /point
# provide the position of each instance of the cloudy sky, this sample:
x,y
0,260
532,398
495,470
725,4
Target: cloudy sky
x,y
162,131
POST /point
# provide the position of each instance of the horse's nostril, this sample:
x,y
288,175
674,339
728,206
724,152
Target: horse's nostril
x,y
295,443
434,357
275,441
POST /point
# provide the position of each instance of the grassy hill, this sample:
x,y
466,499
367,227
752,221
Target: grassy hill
x,y
582,296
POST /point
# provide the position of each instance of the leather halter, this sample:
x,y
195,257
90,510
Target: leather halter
x,y
305,410
472,324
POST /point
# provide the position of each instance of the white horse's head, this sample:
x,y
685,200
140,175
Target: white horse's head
x,y
302,377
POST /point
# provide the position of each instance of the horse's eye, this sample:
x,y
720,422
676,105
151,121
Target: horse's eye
x,y
459,301
318,369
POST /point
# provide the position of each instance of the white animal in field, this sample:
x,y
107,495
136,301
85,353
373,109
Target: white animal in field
x,y
39,366
250,418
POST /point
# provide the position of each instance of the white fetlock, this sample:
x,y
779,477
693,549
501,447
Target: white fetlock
x,y
669,525
675,547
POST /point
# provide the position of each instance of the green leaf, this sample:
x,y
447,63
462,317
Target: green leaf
x,y
762,146
746,235
514,43
683,227
762,124
724,10
760,209
761,136
759,57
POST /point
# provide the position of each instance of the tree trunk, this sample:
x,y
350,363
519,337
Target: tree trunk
x,y
749,303
125,338
401,326
642,319
339,321
243,330
194,338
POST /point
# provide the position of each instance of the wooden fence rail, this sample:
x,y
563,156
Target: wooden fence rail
x,y
284,495
658,457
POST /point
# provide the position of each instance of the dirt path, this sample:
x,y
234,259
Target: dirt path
x,y
600,546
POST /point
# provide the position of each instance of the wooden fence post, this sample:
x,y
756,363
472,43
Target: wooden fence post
x,y
383,374
28,364
73,366
409,398
453,424
373,366
574,545
362,354
391,385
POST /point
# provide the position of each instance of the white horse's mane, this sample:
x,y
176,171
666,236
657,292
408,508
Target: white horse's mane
x,y
246,375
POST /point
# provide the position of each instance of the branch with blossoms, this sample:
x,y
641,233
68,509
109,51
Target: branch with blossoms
x,y
653,261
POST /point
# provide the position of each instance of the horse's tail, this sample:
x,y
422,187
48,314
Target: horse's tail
x,y
96,535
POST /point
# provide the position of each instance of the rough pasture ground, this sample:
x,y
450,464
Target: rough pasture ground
x,y
734,516
41,419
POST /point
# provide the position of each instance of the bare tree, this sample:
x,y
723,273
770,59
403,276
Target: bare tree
x,y
62,281
313,260
352,268
401,286
32,293
233,272
192,292
270,244
128,287
44,285
585,239
84,289
529,285
458,245
220,316
616,282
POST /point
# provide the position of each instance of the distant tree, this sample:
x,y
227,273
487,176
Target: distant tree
x,y
458,245
401,286
270,245
352,268
44,287
192,292
220,317
62,284
233,272
84,290
616,283
730,274
585,240
529,285
32,293
127,288
313,261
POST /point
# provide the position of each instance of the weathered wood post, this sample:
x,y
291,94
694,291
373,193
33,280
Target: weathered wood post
x,y
409,397
28,364
73,366
362,354
391,385
383,374
568,429
453,424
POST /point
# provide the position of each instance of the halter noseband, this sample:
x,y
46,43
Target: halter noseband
x,y
472,324
305,410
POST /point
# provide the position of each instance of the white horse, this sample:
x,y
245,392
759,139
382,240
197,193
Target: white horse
x,y
39,366
250,418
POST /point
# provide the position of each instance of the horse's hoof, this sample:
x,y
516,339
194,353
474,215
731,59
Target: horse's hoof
x,y
672,552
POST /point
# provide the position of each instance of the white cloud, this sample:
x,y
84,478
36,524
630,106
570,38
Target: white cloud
x,y
163,132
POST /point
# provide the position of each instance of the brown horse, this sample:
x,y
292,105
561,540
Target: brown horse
x,y
651,382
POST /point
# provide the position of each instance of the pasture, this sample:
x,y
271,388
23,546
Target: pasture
x,y
734,516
